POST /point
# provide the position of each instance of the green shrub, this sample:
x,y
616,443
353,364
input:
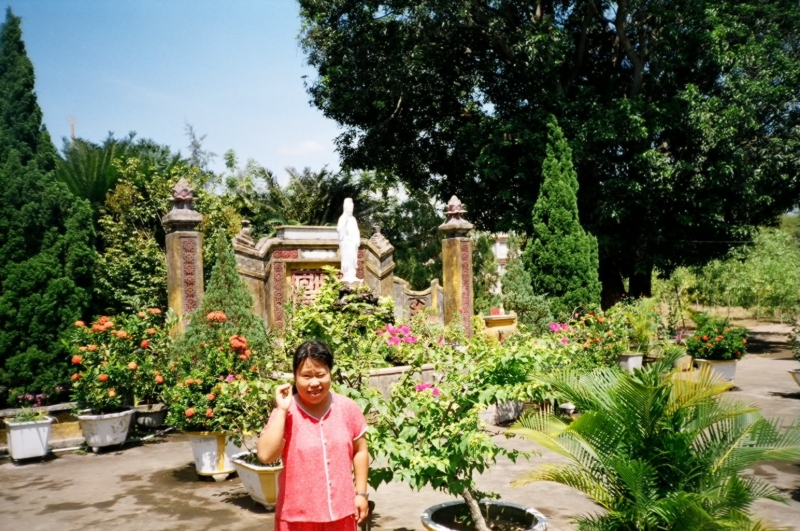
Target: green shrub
x,y
533,311
717,340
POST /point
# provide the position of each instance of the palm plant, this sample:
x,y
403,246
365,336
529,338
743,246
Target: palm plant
x,y
658,451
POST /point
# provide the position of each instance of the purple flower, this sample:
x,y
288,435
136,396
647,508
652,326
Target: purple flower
x,y
229,379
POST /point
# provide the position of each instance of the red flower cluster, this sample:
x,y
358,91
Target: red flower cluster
x,y
102,324
217,317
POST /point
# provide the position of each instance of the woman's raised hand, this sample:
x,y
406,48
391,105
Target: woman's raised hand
x,y
283,396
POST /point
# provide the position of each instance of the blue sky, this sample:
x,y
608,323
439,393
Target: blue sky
x,y
232,69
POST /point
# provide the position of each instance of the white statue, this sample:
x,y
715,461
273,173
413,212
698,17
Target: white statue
x,y
349,241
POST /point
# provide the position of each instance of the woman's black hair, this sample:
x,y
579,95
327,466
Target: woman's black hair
x,y
316,350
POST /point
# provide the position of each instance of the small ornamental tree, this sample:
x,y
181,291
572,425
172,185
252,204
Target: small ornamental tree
x,y
224,344
561,257
485,275
517,293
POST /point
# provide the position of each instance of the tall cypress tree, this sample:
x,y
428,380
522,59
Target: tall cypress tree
x,y
46,235
561,257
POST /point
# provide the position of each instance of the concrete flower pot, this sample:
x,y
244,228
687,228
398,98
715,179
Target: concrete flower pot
x,y
684,363
726,369
212,452
28,439
151,415
443,517
796,375
502,413
260,482
630,361
105,430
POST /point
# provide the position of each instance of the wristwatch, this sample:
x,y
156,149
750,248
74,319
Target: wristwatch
x,y
364,494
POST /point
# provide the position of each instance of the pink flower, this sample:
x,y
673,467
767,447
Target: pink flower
x,y
564,327
393,341
391,329
409,339
405,330
441,341
564,340
435,391
553,327
229,379
423,386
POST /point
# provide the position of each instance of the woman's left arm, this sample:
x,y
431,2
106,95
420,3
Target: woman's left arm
x,y
361,471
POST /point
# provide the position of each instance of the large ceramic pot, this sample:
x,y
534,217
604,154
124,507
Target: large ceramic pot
x,y
442,517
630,361
151,415
260,482
212,452
796,375
105,430
726,369
28,439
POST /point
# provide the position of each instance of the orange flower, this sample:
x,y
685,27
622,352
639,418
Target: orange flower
x,y
76,376
103,320
190,412
122,334
159,379
243,357
82,349
239,377
154,311
254,368
91,348
217,317
600,320
188,381
80,324
103,377
133,366
142,315
238,343
744,341
145,343
109,325
76,360
211,396
151,331
705,338
112,393
209,413
98,328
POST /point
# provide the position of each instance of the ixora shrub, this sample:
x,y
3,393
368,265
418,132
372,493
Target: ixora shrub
x,y
658,452
716,339
224,343
592,340
119,361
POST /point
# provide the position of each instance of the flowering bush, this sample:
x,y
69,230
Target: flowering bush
x,y
717,340
592,340
118,361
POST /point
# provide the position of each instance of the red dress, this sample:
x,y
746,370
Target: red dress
x,y
316,488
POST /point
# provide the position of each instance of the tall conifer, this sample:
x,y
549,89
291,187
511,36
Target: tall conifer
x,y
46,235
561,257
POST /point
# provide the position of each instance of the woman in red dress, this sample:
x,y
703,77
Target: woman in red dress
x,y
320,436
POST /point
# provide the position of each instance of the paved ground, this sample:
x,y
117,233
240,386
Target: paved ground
x,y
154,486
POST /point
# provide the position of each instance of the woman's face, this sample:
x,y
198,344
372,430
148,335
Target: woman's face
x,y
313,381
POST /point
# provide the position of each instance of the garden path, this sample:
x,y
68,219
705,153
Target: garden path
x,y
154,487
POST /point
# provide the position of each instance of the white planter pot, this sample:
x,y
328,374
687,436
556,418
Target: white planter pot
x,y
630,361
28,439
212,453
796,375
151,415
106,430
260,482
726,369
684,363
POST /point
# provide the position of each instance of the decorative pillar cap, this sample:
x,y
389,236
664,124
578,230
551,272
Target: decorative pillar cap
x,y
244,237
183,216
455,226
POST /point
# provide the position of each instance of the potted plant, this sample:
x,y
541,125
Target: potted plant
x,y
643,322
430,434
102,384
794,344
28,434
678,461
719,345
224,342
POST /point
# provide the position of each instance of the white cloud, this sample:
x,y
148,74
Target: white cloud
x,y
303,148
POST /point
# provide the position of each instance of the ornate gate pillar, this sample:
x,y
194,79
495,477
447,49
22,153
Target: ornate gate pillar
x,y
184,253
457,265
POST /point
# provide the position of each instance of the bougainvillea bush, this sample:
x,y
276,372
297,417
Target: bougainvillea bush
x,y
716,339
120,361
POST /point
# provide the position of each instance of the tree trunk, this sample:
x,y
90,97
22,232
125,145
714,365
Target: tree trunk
x,y
641,283
612,286
475,511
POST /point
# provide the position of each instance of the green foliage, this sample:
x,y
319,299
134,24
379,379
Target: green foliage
x,y
658,452
591,340
485,276
683,114
675,292
29,415
765,277
561,257
644,322
794,340
532,310
46,236
716,339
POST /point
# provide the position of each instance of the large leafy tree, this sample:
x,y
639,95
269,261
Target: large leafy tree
x,y
46,235
684,115
560,256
